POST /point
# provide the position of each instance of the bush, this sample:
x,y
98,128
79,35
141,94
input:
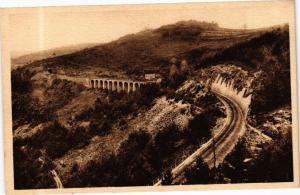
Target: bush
x,y
29,171
98,172
199,174
25,109
57,140
100,127
78,137
275,163
236,159
167,177
147,94
75,168
164,141
200,127
20,81
130,166
136,141
132,159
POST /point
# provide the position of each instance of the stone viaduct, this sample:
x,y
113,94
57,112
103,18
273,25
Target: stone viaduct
x,y
115,85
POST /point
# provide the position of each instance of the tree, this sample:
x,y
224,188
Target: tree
x,y
134,160
275,162
184,68
200,127
164,141
173,73
167,177
237,174
173,60
100,127
31,169
199,174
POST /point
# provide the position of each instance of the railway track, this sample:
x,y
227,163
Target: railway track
x,y
215,150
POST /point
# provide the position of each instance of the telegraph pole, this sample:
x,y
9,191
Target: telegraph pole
x,y
214,149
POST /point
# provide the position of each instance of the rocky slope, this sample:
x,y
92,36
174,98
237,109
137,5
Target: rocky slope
x,y
88,136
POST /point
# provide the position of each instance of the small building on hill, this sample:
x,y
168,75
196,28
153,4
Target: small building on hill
x,y
150,74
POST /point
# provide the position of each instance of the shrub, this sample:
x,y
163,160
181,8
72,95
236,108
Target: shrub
x,y
136,141
29,171
98,172
200,127
25,109
275,163
166,177
164,141
236,159
130,166
199,174
78,137
134,160
100,127
20,81
75,168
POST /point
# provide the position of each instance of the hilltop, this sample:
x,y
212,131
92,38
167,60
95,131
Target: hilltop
x,y
262,52
153,48
21,59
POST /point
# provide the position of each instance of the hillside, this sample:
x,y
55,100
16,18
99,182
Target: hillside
x,y
89,135
262,52
19,59
153,48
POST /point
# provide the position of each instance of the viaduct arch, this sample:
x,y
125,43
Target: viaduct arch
x,y
115,85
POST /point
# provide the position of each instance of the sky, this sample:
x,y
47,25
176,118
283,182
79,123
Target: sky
x,y
38,29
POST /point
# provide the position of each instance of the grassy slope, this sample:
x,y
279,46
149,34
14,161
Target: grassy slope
x,y
20,60
201,44
153,48
266,57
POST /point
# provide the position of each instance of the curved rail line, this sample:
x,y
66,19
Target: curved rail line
x,y
221,143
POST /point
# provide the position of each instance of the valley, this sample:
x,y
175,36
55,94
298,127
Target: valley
x,y
180,130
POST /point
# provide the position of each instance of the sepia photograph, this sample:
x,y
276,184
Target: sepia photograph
x,y
153,96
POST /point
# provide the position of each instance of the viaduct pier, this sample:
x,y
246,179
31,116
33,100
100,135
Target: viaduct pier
x,y
115,85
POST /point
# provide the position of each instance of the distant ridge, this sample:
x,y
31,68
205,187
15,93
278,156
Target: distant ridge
x,y
20,58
